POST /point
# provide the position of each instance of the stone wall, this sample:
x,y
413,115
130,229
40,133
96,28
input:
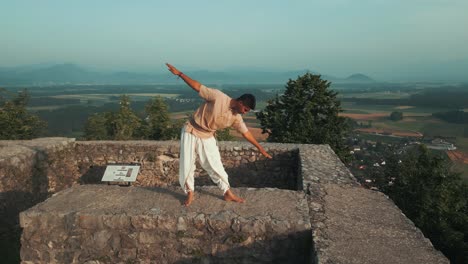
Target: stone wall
x,y
160,163
349,224
49,165
29,172
33,170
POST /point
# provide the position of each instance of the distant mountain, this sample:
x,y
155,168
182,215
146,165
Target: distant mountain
x,y
73,74
59,73
63,73
359,78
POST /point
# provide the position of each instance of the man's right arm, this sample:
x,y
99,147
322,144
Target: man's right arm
x,y
189,81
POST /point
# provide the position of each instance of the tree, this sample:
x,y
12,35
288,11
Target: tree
x,y
396,116
224,134
157,123
306,113
125,122
15,120
433,197
176,127
96,127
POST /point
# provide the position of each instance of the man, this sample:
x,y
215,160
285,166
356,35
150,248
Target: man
x,y
218,112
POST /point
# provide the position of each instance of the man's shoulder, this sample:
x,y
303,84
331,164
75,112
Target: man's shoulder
x,y
212,93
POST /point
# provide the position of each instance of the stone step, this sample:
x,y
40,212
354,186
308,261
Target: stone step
x,y
150,225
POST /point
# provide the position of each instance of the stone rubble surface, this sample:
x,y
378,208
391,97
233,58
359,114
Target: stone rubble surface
x,y
150,225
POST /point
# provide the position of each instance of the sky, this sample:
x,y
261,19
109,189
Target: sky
x,y
385,39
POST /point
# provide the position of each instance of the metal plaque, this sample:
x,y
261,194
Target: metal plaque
x,y
121,173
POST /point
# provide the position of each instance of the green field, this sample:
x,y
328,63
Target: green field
x,y
261,105
381,138
377,95
49,107
351,107
355,111
108,97
462,144
417,123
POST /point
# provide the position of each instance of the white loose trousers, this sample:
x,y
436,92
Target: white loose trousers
x,y
210,160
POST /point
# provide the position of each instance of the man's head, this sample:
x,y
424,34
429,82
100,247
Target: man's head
x,y
246,102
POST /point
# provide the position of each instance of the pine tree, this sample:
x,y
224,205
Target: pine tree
x,y
306,113
96,127
16,122
125,122
157,124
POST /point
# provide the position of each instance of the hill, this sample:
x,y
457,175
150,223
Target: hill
x,y
73,74
359,78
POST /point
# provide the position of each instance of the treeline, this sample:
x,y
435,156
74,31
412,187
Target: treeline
x,y
457,117
181,89
70,120
432,98
99,89
125,124
47,101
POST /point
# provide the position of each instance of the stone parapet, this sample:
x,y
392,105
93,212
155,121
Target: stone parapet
x,y
160,163
358,226
32,169
349,224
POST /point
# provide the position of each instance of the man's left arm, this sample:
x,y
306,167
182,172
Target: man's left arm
x,y
249,137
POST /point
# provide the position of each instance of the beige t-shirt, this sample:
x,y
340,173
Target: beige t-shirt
x,y
214,114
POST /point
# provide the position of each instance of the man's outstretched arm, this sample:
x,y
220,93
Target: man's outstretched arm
x,y
192,83
247,135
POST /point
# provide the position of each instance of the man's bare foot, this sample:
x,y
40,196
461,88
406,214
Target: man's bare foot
x,y
189,199
229,196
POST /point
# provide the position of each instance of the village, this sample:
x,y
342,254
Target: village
x,y
369,157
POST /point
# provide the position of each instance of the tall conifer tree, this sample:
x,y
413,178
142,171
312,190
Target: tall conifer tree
x,y
306,113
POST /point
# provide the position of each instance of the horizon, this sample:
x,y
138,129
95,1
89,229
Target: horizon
x,y
387,41
61,70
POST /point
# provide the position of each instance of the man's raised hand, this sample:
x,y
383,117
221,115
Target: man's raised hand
x,y
264,153
173,69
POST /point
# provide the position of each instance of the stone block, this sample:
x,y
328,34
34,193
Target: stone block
x,y
116,222
152,224
87,221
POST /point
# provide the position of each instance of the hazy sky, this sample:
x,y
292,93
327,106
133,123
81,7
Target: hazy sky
x,y
386,39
